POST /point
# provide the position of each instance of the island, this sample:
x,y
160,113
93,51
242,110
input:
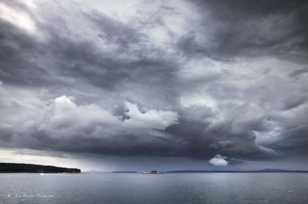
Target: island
x,y
34,168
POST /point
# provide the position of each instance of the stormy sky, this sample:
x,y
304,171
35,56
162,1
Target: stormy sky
x,y
154,79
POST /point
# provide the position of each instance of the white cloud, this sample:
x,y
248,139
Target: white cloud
x,y
65,118
62,117
65,110
18,18
29,3
218,160
197,100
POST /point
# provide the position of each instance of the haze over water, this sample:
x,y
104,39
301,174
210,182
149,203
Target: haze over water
x,y
94,188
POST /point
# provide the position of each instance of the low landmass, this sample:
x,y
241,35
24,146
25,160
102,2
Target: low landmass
x,y
239,171
127,172
34,168
216,171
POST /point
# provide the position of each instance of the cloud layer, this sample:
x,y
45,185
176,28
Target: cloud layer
x,y
181,78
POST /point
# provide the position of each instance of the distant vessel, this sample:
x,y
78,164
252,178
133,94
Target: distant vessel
x,y
152,172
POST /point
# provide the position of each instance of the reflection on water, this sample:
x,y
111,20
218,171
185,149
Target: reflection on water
x,y
154,189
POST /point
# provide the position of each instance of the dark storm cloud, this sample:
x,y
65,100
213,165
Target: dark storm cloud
x,y
63,61
299,72
18,51
115,31
200,139
294,141
79,80
24,60
249,28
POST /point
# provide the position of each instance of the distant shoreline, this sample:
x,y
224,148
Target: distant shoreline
x,y
34,168
222,171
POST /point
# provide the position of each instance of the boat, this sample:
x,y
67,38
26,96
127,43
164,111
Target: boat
x,y
152,172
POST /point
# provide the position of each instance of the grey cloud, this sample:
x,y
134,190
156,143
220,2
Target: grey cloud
x,y
299,72
224,88
249,28
122,35
18,50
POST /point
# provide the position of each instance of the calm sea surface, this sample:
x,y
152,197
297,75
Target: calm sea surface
x,y
196,188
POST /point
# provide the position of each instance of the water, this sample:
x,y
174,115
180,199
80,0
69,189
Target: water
x,y
215,188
